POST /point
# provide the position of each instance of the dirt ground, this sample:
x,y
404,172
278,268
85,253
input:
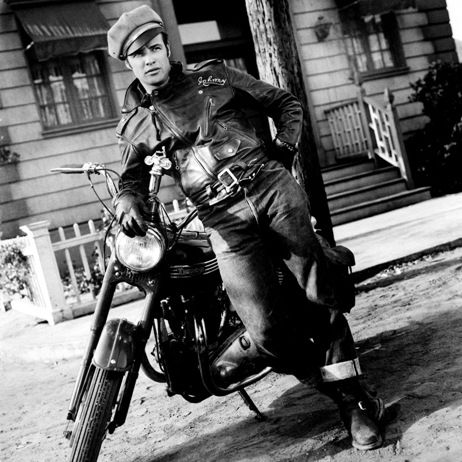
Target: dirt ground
x,y
408,325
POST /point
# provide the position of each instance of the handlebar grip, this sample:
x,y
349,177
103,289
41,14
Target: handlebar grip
x,y
69,168
78,168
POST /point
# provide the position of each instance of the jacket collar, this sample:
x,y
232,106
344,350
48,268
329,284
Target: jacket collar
x,y
136,94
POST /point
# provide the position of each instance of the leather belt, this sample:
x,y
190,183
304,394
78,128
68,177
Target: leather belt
x,y
230,181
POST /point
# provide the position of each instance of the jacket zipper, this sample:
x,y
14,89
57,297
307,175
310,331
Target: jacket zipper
x,y
172,127
202,163
208,111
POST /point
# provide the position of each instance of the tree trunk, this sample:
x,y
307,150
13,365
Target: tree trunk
x,y
279,64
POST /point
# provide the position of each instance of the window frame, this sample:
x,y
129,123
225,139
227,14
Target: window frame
x,y
390,29
72,97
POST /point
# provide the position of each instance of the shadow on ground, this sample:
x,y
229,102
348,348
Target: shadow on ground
x,y
409,364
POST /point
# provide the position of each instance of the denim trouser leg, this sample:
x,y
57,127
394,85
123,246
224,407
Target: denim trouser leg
x,y
272,220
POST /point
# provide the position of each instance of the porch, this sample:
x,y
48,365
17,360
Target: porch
x,y
373,174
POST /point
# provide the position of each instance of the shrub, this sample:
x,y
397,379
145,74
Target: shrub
x,y
14,270
435,153
84,284
440,92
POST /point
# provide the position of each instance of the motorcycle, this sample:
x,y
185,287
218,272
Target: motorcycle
x,y
201,347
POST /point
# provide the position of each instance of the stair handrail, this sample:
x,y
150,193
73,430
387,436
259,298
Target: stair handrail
x,y
385,125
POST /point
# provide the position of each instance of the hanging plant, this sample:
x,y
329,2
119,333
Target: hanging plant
x,y
7,156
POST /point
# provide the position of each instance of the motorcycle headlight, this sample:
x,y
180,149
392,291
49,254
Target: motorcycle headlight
x,y
140,253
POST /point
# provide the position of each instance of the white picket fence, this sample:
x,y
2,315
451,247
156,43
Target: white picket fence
x,y
49,298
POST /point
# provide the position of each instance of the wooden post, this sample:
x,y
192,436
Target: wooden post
x,y
279,64
395,128
365,121
167,13
46,271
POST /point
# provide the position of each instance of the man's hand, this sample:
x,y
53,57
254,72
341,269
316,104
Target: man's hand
x,y
284,152
129,215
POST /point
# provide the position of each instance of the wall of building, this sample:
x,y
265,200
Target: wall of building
x,y
425,35
28,191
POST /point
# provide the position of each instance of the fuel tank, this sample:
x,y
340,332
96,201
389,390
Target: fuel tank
x,y
192,257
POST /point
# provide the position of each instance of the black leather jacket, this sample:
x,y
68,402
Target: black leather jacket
x,y
202,116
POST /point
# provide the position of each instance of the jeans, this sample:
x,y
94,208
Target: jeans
x,y
296,325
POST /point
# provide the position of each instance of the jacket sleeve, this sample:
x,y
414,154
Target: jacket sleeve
x,y
135,176
285,110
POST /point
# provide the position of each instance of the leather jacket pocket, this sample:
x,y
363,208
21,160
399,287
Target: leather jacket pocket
x,y
227,149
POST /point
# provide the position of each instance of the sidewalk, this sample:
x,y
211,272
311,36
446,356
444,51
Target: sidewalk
x,y
402,234
376,241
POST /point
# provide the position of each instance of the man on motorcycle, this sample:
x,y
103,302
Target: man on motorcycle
x,y
251,206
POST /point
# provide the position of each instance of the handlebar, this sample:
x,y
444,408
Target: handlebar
x,y
88,167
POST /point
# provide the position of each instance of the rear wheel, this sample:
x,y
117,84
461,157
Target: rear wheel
x,y
94,415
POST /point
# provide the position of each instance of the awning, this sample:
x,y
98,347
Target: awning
x,y
366,7
58,29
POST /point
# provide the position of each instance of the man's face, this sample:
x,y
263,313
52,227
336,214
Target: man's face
x,y
150,64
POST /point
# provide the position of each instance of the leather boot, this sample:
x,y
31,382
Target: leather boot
x,y
360,410
361,419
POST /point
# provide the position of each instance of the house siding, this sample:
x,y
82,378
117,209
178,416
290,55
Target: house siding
x,y
425,34
28,191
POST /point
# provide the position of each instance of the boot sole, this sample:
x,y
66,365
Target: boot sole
x,y
368,447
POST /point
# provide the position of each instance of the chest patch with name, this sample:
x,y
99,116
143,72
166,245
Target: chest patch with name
x,y
210,80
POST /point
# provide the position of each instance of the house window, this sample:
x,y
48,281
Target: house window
x,y
64,42
372,42
72,90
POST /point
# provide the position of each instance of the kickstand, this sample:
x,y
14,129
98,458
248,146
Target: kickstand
x,y
251,405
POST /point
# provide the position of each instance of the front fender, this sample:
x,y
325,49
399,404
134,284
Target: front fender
x,y
116,347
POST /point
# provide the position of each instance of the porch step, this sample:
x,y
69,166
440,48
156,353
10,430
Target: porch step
x,y
381,205
361,189
366,193
360,180
345,170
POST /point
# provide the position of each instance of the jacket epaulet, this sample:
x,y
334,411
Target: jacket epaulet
x,y
124,121
201,65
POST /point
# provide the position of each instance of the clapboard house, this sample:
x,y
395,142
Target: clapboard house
x,y
60,94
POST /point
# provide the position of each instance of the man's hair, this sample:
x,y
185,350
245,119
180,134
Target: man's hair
x,y
165,38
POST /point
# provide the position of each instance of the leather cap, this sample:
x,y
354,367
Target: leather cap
x,y
132,30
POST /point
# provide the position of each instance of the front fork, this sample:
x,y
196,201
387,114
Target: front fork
x,y
116,345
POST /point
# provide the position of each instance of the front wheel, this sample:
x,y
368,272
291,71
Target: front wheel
x,y
94,415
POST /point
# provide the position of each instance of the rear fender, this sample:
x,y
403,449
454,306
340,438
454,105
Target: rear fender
x,y
116,347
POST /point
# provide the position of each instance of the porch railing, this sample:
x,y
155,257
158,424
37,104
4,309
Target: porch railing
x,y
365,125
348,128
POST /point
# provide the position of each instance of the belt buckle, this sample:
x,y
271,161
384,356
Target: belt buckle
x,y
234,181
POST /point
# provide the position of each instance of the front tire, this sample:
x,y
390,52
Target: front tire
x,y
94,415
